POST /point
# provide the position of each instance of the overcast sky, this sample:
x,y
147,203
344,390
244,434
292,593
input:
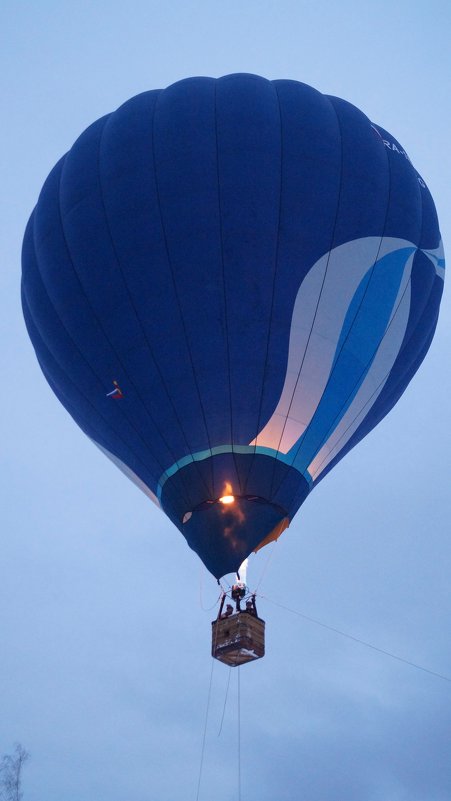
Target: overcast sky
x,y
105,667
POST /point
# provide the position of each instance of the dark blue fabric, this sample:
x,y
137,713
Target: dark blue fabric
x,y
166,252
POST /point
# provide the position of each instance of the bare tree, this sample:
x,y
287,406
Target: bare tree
x,y
11,766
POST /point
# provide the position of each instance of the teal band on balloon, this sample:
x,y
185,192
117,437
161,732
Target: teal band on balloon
x,y
217,449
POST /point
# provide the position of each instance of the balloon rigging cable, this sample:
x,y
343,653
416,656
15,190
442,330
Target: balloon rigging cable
x,y
225,701
357,639
207,711
204,736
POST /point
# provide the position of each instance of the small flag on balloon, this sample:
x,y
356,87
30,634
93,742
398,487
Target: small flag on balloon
x,y
116,392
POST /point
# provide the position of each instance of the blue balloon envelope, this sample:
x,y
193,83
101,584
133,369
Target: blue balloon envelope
x,y
228,283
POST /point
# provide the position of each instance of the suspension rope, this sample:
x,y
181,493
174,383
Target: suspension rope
x,y
266,565
201,592
204,737
361,642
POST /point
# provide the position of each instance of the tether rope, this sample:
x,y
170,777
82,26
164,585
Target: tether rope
x,y
361,642
204,737
225,701
239,733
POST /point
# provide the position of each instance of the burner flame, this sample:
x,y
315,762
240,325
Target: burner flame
x,y
227,499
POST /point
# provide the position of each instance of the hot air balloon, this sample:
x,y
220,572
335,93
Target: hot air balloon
x,y
228,283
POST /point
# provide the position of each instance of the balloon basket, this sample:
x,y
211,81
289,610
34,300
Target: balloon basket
x,y
238,638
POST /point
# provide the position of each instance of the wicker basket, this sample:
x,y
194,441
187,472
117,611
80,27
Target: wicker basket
x,y
238,639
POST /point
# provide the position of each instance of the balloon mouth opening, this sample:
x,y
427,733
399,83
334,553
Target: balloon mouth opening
x,y
224,534
228,501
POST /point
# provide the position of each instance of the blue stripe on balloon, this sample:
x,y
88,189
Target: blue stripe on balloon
x,y
363,329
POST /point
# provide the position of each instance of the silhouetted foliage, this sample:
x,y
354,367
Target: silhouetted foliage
x,y
11,767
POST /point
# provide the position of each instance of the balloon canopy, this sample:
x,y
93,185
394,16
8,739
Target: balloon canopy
x,y
228,283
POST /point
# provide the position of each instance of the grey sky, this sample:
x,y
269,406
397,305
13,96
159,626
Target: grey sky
x,y
105,664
